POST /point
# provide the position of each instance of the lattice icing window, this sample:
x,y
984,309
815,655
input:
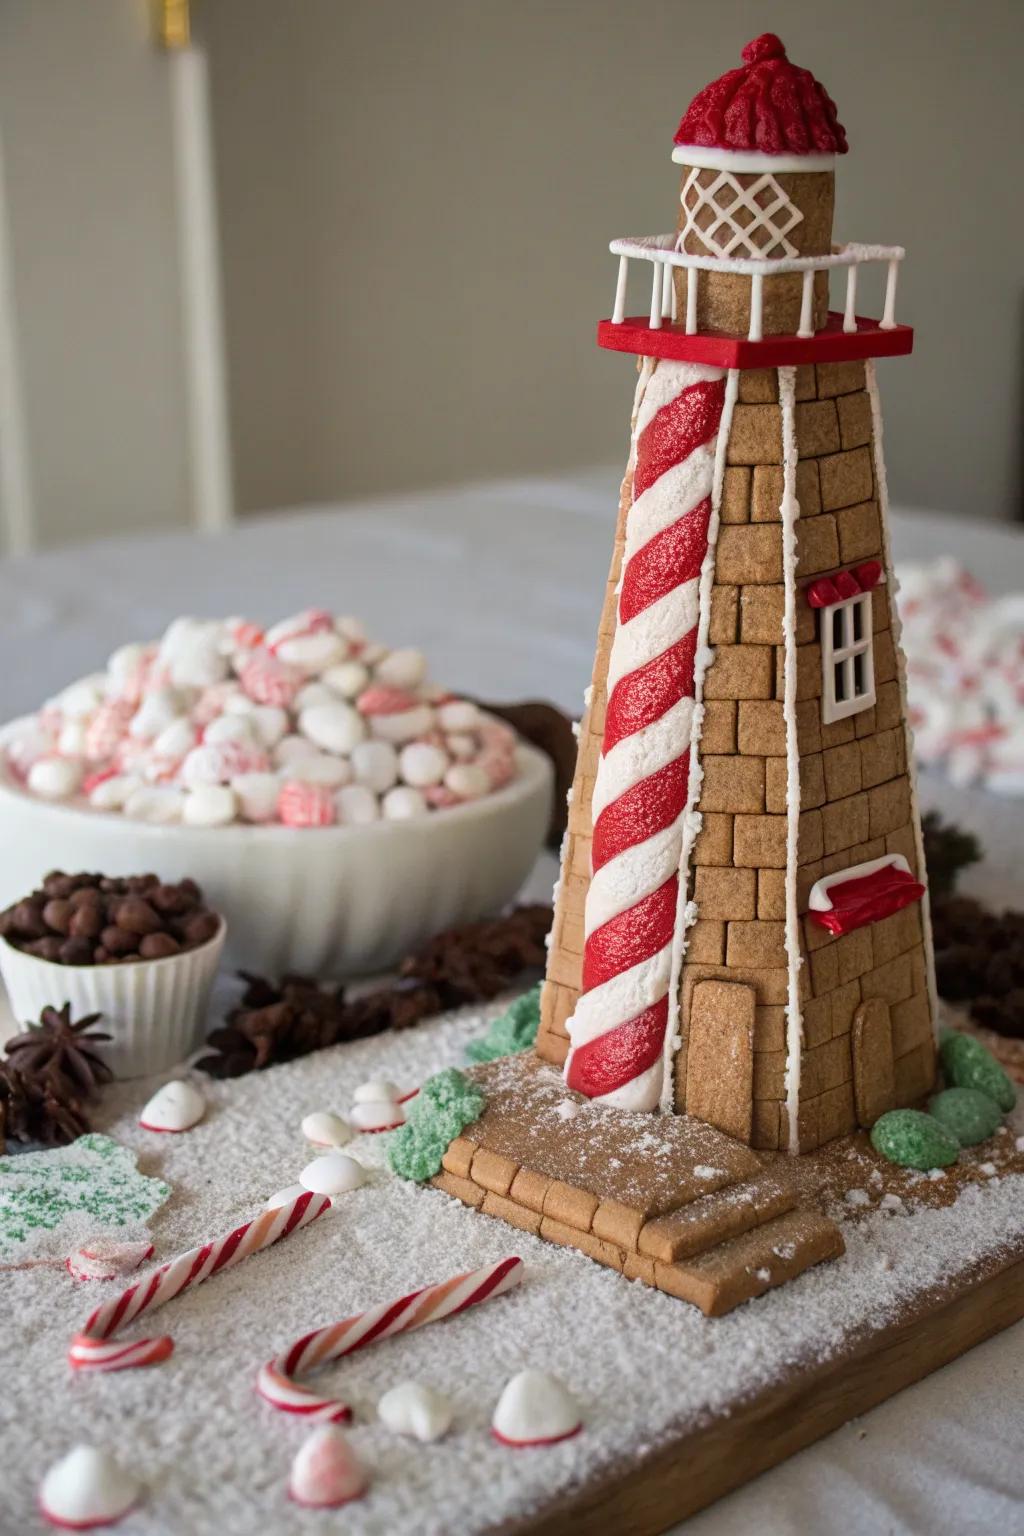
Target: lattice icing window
x,y
847,660
739,215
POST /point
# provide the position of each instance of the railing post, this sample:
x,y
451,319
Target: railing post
x,y
806,301
666,290
756,307
889,316
619,312
692,279
850,317
655,316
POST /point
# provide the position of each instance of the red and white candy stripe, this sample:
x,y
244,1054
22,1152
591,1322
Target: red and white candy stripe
x,y
92,1350
276,1380
641,790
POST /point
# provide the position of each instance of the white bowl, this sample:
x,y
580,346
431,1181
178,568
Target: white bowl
x,y
328,901
155,1010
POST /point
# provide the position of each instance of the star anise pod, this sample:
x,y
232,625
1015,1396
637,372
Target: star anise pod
x,y
62,1048
37,1107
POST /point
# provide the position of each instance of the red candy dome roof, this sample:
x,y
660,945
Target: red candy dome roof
x,y
768,105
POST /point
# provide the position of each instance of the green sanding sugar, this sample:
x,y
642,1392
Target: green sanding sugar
x,y
914,1140
94,1178
442,1109
967,1064
967,1114
513,1031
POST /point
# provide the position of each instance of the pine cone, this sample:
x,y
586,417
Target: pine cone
x,y
36,1107
63,1049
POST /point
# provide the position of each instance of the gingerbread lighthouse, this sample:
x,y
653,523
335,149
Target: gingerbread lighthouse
x,y
740,963
741,929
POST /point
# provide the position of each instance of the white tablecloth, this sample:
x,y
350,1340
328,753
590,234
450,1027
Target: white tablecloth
x,y
501,584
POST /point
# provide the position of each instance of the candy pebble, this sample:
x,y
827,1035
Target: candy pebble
x,y
403,725
535,1408
416,1410
160,805
105,730
375,764
458,715
335,727
913,1140
157,711
176,740
290,749
72,738
310,654
402,669
256,795
54,778
323,768
86,1488
403,803
111,792
229,728
326,1472
326,1130
305,805
311,621
269,681
353,629
80,699
314,694
467,780
209,805
270,724
348,678
333,1174
499,766
356,805
460,746
420,764
175,1107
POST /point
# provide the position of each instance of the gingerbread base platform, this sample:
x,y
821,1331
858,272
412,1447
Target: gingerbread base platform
x,y
678,1408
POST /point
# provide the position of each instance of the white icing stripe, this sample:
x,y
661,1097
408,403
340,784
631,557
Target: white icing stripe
x,y
639,1094
653,631
691,818
667,381
789,512
742,161
882,492
622,997
630,876
636,757
672,496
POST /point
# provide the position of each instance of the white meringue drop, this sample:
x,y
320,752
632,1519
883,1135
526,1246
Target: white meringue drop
x,y
332,1174
535,1408
175,1107
86,1488
326,1471
326,1130
417,1410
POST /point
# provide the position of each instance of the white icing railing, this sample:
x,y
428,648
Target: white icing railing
x,y
661,252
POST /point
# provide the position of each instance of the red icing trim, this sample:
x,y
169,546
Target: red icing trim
x,y
869,574
719,349
632,937
643,696
867,899
673,556
827,590
846,584
671,435
84,1525
768,104
620,1055
525,1445
646,809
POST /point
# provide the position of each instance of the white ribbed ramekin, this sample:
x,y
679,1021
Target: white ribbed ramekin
x,y
155,1010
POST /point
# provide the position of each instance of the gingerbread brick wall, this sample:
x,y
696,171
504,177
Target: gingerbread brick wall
x,y
854,789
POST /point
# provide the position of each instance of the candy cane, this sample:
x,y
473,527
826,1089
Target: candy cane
x,y
90,1349
276,1379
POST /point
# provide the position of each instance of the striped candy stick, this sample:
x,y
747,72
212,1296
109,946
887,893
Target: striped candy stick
x,y
92,1350
642,782
276,1380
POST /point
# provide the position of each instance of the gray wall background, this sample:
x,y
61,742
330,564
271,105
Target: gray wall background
x,y
415,205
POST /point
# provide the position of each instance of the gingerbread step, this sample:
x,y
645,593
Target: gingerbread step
x,y
706,1223
756,1262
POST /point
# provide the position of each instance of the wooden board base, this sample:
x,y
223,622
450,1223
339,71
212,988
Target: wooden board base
x,y
650,1495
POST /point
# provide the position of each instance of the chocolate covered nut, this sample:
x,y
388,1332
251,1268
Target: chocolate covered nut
x,y
158,946
135,915
87,895
46,949
57,915
76,951
58,884
87,921
201,928
171,900
27,920
119,941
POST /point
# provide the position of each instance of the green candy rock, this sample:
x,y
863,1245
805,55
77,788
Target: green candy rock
x,y
513,1031
442,1109
914,1140
967,1064
967,1114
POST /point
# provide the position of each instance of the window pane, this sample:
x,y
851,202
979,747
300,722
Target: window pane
x,y
860,686
839,675
837,628
858,620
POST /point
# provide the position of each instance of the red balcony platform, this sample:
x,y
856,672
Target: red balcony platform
x,y
832,344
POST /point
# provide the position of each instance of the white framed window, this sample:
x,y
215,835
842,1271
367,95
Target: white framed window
x,y
847,659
